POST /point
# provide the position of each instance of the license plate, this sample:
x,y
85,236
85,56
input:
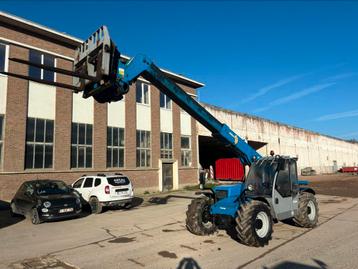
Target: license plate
x,y
66,210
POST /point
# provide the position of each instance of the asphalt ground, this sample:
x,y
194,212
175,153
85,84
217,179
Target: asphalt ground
x,y
153,235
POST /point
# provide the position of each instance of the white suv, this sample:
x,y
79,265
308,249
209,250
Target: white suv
x,y
105,190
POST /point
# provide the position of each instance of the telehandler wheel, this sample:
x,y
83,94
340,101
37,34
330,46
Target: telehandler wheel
x,y
307,214
199,221
254,224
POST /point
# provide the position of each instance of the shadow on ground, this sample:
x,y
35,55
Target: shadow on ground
x,y
164,200
136,202
294,265
5,218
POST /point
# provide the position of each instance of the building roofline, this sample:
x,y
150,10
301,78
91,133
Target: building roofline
x,y
272,121
74,41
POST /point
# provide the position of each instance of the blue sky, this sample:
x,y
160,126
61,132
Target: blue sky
x,y
293,62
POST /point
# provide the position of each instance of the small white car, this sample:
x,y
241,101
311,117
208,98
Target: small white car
x,y
105,190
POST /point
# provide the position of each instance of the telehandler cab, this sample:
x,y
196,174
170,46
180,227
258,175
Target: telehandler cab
x,y
271,191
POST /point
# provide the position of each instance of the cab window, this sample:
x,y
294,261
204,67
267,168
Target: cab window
x,y
78,183
283,183
88,183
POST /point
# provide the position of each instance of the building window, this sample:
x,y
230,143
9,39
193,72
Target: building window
x,y
185,150
81,148
166,145
115,147
143,148
165,101
142,93
3,58
1,137
39,73
39,143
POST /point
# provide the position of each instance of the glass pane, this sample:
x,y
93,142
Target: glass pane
x,y
185,142
142,158
115,137
109,157
1,126
48,156
29,156
39,156
73,156
161,140
49,61
162,101
89,157
81,157
139,92
35,57
146,93
168,103
148,158
138,139
148,140
40,130
89,134
2,57
138,158
115,157
81,133
109,136
30,130
121,137
121,158
49,131
74,133
142,139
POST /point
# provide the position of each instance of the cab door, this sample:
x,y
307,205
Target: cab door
x,y
282,198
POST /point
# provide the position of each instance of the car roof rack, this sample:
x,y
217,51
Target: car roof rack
x,y
101,175
119,174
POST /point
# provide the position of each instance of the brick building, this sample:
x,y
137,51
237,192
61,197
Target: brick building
x,y
50,132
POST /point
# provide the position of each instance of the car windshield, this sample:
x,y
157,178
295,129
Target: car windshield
x,y
261,176
51,187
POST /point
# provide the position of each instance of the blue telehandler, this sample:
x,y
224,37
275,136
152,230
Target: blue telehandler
x,y
271,191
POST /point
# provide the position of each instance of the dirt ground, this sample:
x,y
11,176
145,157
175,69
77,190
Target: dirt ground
x,y
345,185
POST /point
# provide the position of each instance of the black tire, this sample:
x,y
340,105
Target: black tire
x,y
35,219
307,214
96,206
198,218
254,224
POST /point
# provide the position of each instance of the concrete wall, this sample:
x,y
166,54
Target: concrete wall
x,y
312,149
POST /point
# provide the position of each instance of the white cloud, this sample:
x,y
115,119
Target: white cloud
x,y
295,96
268,88
335,116
341,76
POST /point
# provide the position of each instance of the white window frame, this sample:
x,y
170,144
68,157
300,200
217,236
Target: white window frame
x,y
166,152
6,64
145,149
142,93
167,105
183,151
111,147
44,144
42,62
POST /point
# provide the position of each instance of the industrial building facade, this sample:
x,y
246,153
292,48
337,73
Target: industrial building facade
x,y
47,132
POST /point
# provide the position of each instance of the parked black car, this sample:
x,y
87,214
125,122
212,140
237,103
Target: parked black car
x,y
46,200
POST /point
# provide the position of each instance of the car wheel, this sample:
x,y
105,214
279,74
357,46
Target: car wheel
x,y
96,206
12,212
35,219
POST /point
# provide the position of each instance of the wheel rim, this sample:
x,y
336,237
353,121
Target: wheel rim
x,y
311,210
262,224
